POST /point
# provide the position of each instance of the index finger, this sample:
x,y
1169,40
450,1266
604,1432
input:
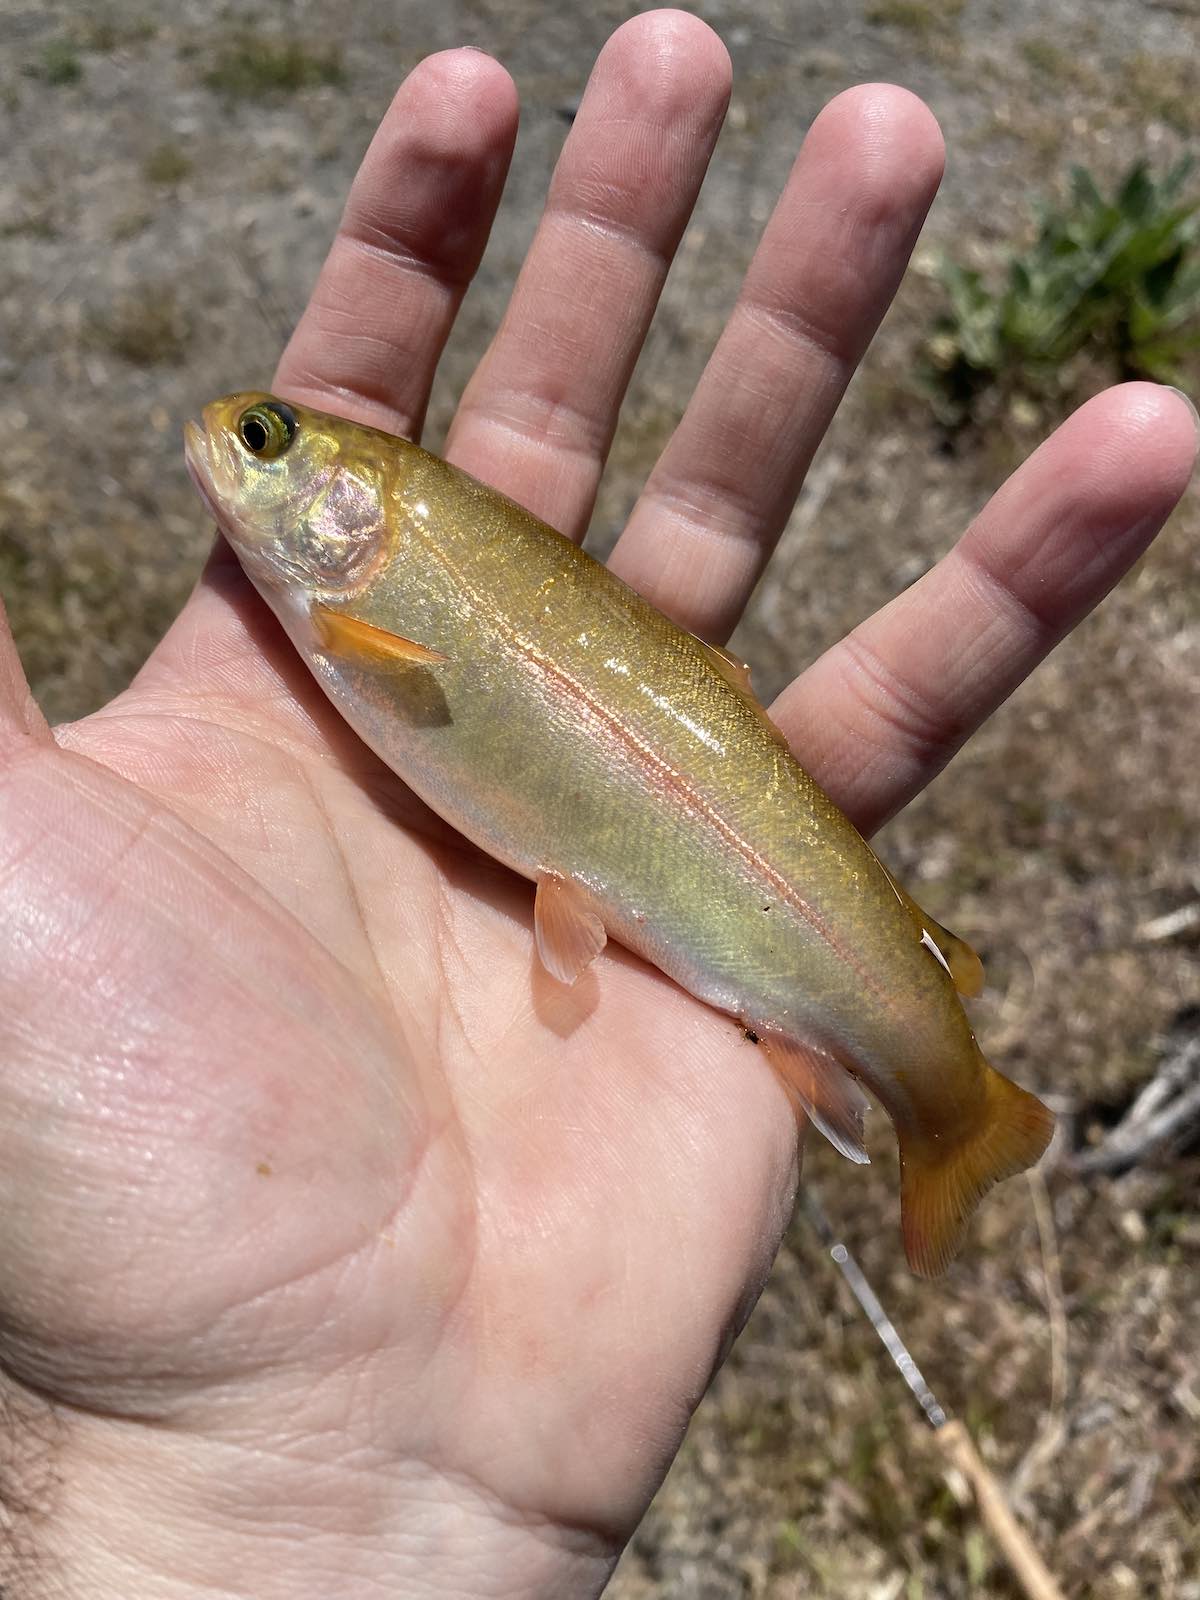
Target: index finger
x,y
408,244
409,241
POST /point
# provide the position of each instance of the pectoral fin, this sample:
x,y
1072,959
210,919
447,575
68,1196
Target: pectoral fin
x,y
344,635
569,932
830,1096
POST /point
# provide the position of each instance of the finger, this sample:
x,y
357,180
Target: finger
x,y
20,718
883,711
825,272
409,242
538,417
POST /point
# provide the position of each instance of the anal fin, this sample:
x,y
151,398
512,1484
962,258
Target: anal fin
x,y
569,932
830,1096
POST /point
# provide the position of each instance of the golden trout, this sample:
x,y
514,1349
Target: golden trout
x,y
576,734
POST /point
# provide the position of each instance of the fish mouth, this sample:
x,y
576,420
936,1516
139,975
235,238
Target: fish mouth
x,y
195,456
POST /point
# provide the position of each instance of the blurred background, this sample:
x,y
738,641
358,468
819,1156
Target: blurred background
x,y
172,178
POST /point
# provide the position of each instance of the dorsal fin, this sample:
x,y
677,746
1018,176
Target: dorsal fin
x,y
737,675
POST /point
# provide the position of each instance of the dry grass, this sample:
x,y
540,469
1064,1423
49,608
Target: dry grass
x,y
1164,89
148,327
254,65
922,17
167,164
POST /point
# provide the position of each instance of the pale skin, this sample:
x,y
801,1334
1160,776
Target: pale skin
x,y
345,1253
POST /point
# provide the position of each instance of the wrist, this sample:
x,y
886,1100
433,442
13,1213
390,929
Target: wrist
x,y
163,1514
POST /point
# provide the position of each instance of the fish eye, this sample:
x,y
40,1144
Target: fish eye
x,y
267,429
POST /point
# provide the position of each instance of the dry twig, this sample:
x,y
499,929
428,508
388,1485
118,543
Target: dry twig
x,y
1184,919
1168,1108
1053,1430
956,1443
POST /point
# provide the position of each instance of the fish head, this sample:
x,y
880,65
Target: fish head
x,y
297,494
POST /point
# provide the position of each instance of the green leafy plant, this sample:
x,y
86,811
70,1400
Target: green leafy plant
x,y
1114,280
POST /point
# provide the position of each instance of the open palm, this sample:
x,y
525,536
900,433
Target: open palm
x,y
350,1249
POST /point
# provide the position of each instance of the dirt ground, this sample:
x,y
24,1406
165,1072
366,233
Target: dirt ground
x,y
167,194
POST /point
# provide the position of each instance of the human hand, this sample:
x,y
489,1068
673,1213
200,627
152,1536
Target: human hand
x,y
344,1251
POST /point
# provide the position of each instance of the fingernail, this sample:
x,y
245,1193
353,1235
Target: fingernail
x,y
1189,403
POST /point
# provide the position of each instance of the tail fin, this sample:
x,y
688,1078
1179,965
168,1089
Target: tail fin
x,y
940,1189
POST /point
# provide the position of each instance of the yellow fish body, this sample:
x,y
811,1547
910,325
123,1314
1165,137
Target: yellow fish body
x,y
576,734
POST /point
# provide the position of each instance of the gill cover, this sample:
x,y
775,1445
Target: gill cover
x,y
342,536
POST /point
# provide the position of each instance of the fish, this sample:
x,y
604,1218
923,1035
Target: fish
x,y
576,734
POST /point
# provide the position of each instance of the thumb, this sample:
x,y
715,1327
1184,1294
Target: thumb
x,y
20,718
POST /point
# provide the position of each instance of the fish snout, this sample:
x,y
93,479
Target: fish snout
x,y
199,467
